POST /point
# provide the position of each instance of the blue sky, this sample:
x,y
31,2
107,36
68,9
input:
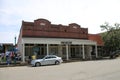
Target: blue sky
x,y
87,13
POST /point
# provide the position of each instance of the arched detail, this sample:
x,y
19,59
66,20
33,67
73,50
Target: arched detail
x,y
42,22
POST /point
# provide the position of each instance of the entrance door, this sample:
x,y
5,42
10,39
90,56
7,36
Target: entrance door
x,y
73,52
64,52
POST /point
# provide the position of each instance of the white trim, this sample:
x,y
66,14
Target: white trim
x,y
90,50
47,49
67,56
96,51
23,51
57,41
83,50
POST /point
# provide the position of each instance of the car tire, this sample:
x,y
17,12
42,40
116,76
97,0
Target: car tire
x,y
111,57
57,62
37,64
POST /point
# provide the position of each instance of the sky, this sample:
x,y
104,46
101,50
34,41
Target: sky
x,y
87,13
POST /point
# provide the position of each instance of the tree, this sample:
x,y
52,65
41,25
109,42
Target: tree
x,y
111,37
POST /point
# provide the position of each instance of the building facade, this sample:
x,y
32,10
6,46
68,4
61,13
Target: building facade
x,y
42,38
4,47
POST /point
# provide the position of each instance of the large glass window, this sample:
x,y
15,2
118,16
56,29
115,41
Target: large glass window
x,y
53,48
28,49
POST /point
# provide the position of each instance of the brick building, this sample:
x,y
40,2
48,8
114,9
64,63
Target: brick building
x,y
68,41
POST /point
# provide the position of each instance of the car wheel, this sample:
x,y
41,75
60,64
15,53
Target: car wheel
x,y
57,62
111,57
37,64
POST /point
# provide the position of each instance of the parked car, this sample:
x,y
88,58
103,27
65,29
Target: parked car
x,y
114,54
47,60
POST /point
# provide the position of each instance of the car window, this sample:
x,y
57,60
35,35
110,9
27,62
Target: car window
x,y
49,57
53,57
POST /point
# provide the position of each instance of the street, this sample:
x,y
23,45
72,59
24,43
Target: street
x,y
83,70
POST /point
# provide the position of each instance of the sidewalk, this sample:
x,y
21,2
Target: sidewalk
x,y
18,63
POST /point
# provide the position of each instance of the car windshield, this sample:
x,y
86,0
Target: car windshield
x,y
116,52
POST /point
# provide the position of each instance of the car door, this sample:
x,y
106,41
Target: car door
x,y
50,60
47,60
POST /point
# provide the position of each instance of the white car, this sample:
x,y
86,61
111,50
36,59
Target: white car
x,y
47,60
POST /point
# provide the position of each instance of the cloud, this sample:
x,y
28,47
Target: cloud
x,y
7,37
87,13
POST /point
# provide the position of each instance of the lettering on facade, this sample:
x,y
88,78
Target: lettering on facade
x,y
66,42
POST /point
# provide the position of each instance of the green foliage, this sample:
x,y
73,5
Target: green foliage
x,y
111,37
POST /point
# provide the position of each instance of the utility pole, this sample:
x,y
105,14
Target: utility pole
x,y
15,40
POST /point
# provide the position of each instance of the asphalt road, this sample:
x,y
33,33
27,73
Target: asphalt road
x,y
83,70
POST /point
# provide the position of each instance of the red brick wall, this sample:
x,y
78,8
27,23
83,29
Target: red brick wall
x,y
44,28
